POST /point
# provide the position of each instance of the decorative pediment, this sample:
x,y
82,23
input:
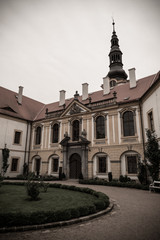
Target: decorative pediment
x,y
74,108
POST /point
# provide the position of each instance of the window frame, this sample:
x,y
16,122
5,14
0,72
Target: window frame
x,y
20,137
128,131
40,138
97,134
17,164
75,137
150,121
127,163
112,83
52,135
52,165
100,165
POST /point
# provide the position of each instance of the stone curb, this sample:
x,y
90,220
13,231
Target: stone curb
x,y
58,224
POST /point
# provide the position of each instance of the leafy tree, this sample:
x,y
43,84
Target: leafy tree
x,y
152,154
5,154
1,180
142,172
25,169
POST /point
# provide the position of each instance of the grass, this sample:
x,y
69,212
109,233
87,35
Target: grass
x,y
14,199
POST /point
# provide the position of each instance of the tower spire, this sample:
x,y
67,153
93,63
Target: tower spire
x,y
113,23
115,57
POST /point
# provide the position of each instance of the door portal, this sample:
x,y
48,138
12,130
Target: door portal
x,y
75,166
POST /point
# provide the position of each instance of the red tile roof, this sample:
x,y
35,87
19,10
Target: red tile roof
x,y
27,111
33,110
124,94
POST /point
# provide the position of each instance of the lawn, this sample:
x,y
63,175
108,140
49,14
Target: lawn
x,y
59,203
15,199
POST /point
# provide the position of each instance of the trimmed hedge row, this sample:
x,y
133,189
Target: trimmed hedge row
x,y
41,217
44,178
115,184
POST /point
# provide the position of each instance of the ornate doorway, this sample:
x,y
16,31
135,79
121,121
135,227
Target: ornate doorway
x,y
75,166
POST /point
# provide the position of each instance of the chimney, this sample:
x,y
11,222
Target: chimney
x,y
20,95
62,98
84,91
132,78
106,87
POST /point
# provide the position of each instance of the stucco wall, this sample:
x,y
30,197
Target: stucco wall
x,y
152,103
8,127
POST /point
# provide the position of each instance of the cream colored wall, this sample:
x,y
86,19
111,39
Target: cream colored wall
x,y
112,145
152,103
8,127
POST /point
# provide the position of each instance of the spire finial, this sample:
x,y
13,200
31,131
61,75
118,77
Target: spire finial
x,y
113,23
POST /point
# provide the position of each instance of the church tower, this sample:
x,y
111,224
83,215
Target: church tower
x,y
116,71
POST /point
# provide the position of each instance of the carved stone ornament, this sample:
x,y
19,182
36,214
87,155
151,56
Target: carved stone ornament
x,y
84,134
66,134
75,109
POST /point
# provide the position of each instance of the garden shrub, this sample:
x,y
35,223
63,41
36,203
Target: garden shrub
x,y
116,183
80,176
124,178
33,189
110,176
63,176
1,180
56,185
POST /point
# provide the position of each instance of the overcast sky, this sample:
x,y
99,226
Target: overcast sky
x,y
50,45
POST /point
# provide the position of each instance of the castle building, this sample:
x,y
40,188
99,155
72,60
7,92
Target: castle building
x,y
93,134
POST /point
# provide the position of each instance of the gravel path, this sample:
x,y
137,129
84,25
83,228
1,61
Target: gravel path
x,y
136,216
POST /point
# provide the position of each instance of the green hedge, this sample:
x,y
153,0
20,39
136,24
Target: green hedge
x,y
41,217
115,184
36,178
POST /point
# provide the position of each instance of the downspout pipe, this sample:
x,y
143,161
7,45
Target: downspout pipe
x,y
29,149
143,140
142,127
25,153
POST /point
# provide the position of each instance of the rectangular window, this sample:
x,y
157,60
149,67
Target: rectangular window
x,y
150,120
14,165
55,165
102,164
132,164
17,137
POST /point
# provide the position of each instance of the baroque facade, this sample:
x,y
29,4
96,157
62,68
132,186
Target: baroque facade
x,y
93,134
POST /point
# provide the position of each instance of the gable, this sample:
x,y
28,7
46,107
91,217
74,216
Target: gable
x,y
75,107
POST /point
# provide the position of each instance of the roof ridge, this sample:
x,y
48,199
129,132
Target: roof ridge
x,y
154,78
16,93
39,112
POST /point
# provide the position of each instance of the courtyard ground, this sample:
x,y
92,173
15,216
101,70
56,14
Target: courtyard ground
x,y
136,216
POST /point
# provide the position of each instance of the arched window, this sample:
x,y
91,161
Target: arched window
x,y
55,164
38,135
112,83
128,124
75,130
55,133
102,165
100,127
